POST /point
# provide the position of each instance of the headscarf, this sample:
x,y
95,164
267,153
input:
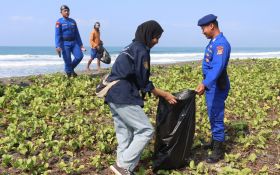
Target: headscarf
x,y
147,31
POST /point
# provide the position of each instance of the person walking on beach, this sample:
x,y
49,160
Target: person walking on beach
x,y
215,83
132,69
95,44
68,40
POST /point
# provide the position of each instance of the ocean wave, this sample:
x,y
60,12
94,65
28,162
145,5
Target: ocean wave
x,y
27,60
255,54
27,57
30,64
176,55
154,55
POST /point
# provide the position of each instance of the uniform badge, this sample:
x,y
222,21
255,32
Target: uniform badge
x,y
146,65
207,60
220,50
57,24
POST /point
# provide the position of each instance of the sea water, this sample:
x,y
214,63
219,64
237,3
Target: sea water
x,y
23,61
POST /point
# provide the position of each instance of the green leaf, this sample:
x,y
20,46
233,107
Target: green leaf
x,y
22,149
199,167
252,157
246,171
264,169
192,165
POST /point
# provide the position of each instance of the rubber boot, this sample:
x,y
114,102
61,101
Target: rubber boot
x,y
217,153
208,145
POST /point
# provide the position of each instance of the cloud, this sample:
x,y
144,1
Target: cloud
x,y
21,18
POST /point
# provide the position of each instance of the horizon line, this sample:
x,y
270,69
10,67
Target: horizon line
x,y
154,47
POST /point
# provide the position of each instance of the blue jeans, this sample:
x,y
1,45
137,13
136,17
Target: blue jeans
x,y
133,131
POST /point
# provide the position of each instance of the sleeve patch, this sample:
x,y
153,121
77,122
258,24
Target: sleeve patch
x,y
220,50
146,65
57,24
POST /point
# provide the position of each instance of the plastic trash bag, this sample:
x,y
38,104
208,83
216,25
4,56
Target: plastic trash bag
x,y
103,55
175,127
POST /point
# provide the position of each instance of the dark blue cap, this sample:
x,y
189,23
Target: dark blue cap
x,y
64,7
206,20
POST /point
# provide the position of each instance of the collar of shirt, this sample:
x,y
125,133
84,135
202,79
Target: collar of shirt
x,y
217,37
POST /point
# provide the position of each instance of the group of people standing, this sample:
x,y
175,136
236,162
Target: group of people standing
x,y
68,40
132,69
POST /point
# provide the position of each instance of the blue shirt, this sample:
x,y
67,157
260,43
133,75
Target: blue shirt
x,y
65,30
215,61
132,68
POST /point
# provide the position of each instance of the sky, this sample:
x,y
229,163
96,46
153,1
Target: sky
x,y
245,23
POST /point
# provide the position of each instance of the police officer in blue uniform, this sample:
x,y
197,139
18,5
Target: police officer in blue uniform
x,y
68,40
215,82
132,68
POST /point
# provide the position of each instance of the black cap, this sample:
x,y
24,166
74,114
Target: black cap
x,y
64,7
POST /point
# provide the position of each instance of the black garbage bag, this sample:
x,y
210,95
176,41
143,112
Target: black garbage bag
x,y
175,127
103,55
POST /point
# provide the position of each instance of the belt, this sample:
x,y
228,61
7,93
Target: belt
x,y
68,38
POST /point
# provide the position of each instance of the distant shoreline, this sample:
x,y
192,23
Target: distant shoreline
x,y
25,61
25,80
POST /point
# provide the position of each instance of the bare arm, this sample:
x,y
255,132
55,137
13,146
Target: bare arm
x,y
166,95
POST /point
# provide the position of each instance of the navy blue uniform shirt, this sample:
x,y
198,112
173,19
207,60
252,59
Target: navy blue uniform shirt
x,y
215,61
132,68
66,29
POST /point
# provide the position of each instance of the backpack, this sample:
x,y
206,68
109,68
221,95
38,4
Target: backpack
x,y
103,87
